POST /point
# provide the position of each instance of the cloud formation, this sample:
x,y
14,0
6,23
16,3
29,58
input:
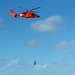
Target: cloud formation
x,y
23,68
50,24
41,66
64,45
72,55
58,60
12,62
33,43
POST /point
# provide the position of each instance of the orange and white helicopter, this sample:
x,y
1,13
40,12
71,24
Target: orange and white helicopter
x,y
26,14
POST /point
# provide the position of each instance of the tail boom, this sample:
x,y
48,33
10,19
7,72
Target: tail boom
x,y
13,14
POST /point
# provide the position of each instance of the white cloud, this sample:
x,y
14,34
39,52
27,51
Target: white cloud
x,y
72,55
12,62
41,66
33,43
53,23
24,68
58,60
64,45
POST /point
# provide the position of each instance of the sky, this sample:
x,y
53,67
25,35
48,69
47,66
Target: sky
x,y
48,40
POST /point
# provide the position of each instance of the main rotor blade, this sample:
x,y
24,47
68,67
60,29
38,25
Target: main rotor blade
x,y
22,7
35,11
35,8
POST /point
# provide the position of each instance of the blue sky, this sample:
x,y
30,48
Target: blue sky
x,y
50,39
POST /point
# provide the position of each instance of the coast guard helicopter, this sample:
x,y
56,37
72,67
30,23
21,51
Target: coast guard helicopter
x,y
35,63
26,14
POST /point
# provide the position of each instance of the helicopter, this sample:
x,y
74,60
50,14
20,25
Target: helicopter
x,y
29,13
35,63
